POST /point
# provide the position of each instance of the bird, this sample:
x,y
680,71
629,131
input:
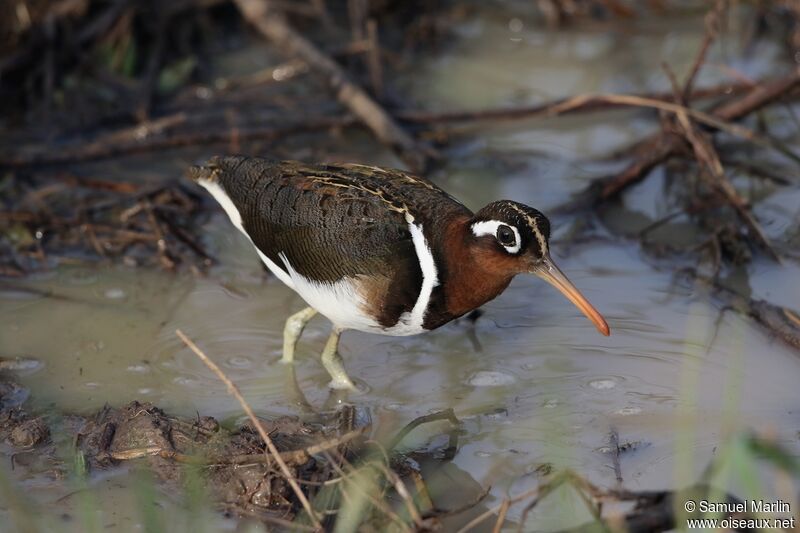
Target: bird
x,y
376,249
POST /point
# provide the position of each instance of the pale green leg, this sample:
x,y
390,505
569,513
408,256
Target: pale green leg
x,y
332,362
295,325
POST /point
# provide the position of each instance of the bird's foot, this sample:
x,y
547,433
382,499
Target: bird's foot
x,y
343,383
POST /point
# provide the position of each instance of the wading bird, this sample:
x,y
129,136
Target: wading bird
x,y
376,249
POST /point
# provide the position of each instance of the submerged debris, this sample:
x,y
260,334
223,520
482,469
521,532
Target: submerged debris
x,y
50,220
328,455
29,433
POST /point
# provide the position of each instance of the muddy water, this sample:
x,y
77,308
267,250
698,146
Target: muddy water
x,y
532,379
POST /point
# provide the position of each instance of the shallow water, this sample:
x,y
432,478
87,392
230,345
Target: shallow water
x,y
532,379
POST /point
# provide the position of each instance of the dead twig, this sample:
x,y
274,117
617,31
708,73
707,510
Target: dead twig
x,y
564,106
174,130
447,414
234,391
712,30
374,58
678,109
501,516
347,481
780,321
666,144
274,26
613,441
290,457
709,160
103,149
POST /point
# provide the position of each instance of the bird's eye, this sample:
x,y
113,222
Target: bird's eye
x,y
505,236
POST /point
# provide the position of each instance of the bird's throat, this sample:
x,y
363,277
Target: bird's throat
x,y
472,277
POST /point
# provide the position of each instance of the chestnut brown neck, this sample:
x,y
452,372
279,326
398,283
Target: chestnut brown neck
x,y
474,275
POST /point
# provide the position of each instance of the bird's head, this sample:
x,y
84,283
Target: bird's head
x,y
511,238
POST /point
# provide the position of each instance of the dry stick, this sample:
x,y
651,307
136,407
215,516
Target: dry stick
x,y
780,321
582,487
402,490
676,109
712,29
154,135
447,414
663,145
614,445
148,85
274,26
102,149
264,517
466,506
425,501
707,156
703,148
374,58
382,506
234,390
540,495
548,109
501,516
292,456
489,512
540,492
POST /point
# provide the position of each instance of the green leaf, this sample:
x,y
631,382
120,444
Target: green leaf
x,y
176,74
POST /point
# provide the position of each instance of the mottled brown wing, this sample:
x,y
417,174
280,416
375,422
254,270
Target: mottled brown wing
x,y
332,221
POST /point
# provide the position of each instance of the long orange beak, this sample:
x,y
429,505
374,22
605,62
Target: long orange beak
x,y
549,272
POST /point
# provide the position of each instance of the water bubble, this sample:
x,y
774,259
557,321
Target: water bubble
x,y
145,390
138,369
490,378
115,293
552,403
185,381
628,411
239,361
498,413
96,346
603,384
481,453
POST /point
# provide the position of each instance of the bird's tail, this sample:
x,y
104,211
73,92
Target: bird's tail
x,y
206,172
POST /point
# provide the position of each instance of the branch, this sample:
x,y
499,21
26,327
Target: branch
x,y
661,146
234,390
273,25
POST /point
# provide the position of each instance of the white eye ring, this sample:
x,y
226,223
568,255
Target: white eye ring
x,y
489,227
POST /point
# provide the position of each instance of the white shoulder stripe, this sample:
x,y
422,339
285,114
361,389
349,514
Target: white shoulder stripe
x,y
411,322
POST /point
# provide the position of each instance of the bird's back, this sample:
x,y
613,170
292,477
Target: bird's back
x,y
334,222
